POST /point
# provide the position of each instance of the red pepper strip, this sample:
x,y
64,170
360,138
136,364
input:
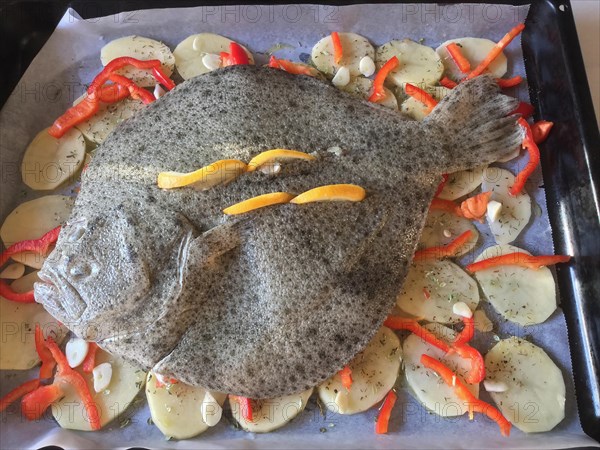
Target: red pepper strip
x,y
448,83
39,246
90,359
290,67
420,95
509,82
18,392
459,59
8,293
383,419
346,375
524,109
162,78
518,259
48,362
75,115
113,93
443,251
236,56
477,372
534,159
378,91
402,323
467,332
135,91
426,293
65,373
541,130
475,207
36,402
439,204
493,54
163,381
245,406
440,187
119,63
474,404
338,50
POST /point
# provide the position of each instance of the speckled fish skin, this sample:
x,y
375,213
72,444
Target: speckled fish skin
x,y
274,301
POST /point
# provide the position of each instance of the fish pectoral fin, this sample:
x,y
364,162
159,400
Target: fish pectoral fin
x,y
217,241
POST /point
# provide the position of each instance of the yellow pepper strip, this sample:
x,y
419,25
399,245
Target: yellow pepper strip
x,y
272,155
204,178
259,201
331,192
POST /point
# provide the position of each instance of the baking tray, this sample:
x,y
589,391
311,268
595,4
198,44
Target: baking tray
x,y
570,157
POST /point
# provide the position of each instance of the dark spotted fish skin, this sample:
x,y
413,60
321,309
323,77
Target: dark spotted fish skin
x,y
277,300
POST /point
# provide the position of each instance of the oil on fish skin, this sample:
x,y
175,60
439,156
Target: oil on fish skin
x,y
274,301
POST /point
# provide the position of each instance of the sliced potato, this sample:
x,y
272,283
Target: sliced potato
x,y
431,289
524,296
374,373
361,87
17,346
49,162
443,227
419,64
190,52
516,210
13,271
475,50
126,381
271,414
462,183
417,109
141,48
536,395
482,321
424,384
33,219
97,128
25,283
355,47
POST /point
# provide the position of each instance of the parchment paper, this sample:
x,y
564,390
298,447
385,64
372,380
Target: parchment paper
x,y
70,59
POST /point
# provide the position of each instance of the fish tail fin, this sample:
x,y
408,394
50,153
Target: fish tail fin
x,y
472,126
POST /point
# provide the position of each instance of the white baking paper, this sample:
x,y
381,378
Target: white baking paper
x,y
70,59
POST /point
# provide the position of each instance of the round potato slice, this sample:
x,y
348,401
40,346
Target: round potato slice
x,y
33,219
361,87
431,289
424,383
355,47
126,381
419,64
417,109
190,52
443,227
534,400
374,373
98,127
462,183
524,296
475,50
271,414
13,271
141,48
516,210
17,346
49,162
176,409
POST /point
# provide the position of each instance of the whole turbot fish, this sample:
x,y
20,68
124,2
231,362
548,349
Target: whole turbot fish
x,y
276,300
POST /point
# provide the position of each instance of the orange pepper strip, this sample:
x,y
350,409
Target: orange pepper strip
x,y
245,406
338,50
378,91
540,130
518,259
493,54
509,82
90,359
36,402
420,95
291,67
81,112
48,362
443,251
476,373
402,323
448,83
534,159
475,207
459,59
439,204
440,187
467,332
346,375
474,404
383,419
18,392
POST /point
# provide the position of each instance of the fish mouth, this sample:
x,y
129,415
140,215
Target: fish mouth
x,y
59,297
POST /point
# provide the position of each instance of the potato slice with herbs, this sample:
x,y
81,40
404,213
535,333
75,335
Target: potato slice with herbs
x,y
462,183
362,87
374,373
442,227
355,47
417,109
475,50
33,219
521,295
419,64
535,394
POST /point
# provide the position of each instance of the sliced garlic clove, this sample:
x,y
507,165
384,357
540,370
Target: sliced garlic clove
x,y
493,211
366,66
211,61
158,91
76,351
495,386
211,410
102,374
342,77
462,309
